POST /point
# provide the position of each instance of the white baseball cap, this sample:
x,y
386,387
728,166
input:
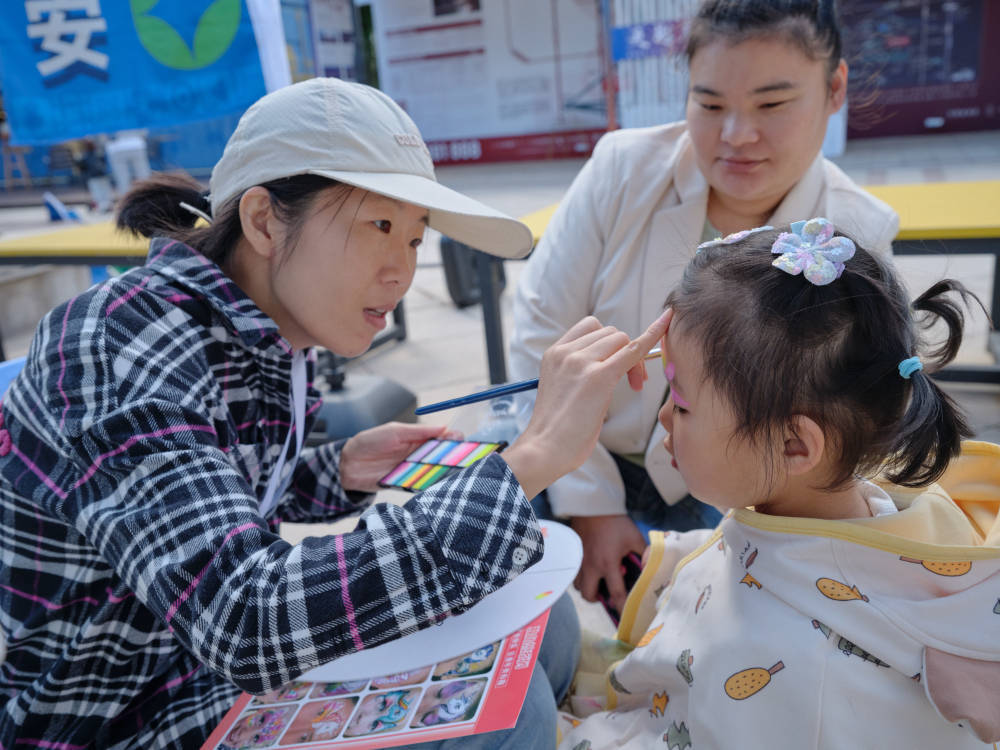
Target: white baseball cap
x,y
357,135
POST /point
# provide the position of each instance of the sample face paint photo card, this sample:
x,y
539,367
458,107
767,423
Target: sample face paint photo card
x,y
476,692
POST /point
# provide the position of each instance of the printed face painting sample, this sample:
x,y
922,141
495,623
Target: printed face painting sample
x,y
320,720
328,689
259,728
436,459
383,712
412,677
475,662
293,691
456,700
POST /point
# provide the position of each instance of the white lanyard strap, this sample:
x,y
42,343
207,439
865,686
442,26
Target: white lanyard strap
x,y
297,404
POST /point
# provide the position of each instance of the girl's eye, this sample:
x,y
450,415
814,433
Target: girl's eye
x,y
416,243
383,225
679,409
772,105
710,107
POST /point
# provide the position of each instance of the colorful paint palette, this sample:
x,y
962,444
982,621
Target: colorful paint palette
x,y
436,459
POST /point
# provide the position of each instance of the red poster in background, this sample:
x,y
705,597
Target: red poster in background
x,y
481,691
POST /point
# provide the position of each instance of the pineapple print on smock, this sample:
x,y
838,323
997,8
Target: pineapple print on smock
x,y
838,591
949,569
747,682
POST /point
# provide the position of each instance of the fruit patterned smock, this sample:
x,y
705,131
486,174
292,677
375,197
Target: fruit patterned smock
x,y
803,633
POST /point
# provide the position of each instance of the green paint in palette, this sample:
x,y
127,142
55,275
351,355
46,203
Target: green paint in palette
x,y
436,459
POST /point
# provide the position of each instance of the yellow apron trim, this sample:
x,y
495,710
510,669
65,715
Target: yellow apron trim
x,y
632,602
609,691
656,550
864,535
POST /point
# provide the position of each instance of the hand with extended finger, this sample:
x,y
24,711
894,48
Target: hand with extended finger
x,y
578,374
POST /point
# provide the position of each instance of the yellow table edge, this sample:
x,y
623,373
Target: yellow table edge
x,y
927,211
77,241
944,210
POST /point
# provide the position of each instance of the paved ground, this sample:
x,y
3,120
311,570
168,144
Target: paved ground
x,y
444,354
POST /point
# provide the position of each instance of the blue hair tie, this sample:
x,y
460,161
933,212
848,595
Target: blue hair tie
x,y
909,366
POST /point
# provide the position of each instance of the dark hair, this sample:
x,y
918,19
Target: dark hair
x,y
152,208
776,345
810,24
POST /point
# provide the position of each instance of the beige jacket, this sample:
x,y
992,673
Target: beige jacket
x,y
615,248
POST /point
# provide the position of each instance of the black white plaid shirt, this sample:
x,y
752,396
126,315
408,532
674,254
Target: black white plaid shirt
x,y
140,588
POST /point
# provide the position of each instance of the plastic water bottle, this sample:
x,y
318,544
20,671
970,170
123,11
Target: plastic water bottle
x,y
500,423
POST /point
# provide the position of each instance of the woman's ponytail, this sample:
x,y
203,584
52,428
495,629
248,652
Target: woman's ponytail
x,y
170,205
155,207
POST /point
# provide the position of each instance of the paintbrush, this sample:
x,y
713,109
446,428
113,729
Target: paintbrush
x,y
500,390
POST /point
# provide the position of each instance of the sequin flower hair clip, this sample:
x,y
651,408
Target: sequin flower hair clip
x,y
812,250
730,239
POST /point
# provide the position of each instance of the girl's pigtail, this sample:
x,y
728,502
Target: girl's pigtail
x,y
933,427
934,305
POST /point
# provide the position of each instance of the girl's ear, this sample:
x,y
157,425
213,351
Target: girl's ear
x,y
804,445
258,221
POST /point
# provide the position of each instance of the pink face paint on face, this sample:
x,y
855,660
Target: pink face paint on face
x,y
669,370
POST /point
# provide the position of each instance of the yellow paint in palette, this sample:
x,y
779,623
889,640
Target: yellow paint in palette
x,y
435,473
436,459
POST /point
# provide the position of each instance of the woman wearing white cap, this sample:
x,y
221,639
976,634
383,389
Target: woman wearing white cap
x,y
153,443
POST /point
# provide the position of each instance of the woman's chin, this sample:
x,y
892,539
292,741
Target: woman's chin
x,y
350,351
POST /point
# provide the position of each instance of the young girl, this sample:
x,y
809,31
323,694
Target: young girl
x,y
153,443
827,610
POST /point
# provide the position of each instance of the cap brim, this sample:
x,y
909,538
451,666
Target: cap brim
x,y
458,216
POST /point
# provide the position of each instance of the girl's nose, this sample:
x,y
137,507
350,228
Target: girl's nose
x,y
666,415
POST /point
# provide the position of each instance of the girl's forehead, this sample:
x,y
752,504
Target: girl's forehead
x,y
685,355
679,336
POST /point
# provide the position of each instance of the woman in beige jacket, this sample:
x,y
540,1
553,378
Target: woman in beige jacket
x,y
764,79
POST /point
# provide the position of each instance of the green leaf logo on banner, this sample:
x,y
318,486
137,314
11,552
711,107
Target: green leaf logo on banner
x,y
216,30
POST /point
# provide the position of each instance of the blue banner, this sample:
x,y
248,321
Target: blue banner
x,y
656,39
73,68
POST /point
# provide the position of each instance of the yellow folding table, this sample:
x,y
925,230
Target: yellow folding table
x,y
83,244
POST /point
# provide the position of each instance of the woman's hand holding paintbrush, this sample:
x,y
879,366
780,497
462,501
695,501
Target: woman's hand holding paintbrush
x,y
506,389
578,374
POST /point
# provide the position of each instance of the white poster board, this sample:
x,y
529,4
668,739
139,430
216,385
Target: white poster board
x,y
502,79
334,38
